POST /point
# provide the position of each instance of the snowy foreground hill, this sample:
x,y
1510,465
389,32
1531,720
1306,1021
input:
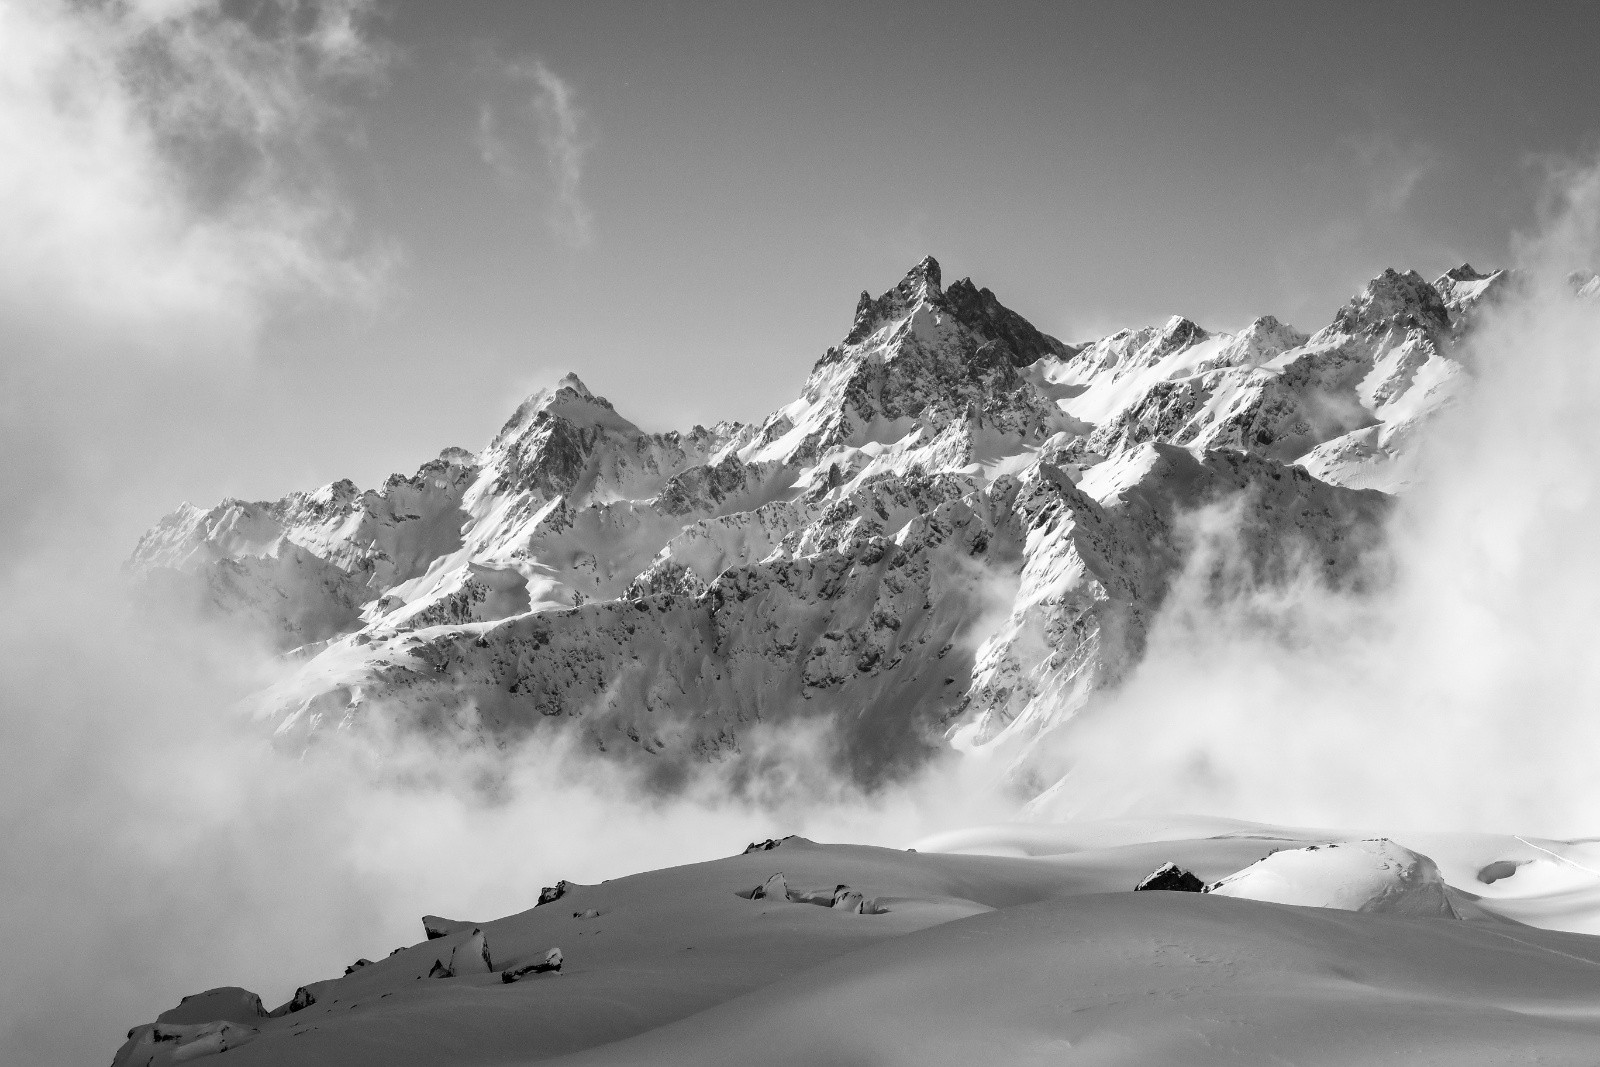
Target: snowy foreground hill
x,y
1007,945
960,531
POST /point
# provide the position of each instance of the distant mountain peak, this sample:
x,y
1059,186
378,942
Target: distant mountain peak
x,y
1394,299
570,380
925,273
920,284
977,309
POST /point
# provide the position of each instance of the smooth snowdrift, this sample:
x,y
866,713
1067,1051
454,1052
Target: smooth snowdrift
x,y
963,958
1374,875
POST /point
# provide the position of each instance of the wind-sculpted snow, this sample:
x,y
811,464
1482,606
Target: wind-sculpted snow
x,y
958,533
1002,944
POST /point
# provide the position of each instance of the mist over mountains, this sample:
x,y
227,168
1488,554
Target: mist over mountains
x,y
958,536
972,573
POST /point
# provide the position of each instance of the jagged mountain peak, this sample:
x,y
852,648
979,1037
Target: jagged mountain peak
x,y
570,380
335,494
925,274
1394,299
570,400
1464,290
1271,325
1180,332
981,311
457,456
977,309
920,285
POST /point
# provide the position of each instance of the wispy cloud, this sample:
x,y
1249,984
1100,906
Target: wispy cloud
x,y
533,134
1390,169
160,165
1364,208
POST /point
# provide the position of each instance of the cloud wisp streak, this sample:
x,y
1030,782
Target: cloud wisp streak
x,y
161,167
533,134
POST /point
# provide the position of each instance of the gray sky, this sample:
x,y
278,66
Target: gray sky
x,y
681,201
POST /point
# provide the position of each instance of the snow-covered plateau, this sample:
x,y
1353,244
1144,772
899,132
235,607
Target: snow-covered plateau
x,y
1010,944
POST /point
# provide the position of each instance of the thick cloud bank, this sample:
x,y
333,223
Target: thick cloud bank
x,y
1466,694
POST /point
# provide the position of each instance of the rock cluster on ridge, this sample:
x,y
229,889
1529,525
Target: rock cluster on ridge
x,y
960,531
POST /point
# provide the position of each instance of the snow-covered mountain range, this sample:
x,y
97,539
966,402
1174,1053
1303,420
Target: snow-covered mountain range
x,y
958,533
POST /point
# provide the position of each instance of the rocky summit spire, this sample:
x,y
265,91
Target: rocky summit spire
x,y
1393,299
981,311
925,273
920,283
976,309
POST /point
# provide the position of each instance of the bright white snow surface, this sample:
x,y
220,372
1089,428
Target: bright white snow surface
x,y
1009,944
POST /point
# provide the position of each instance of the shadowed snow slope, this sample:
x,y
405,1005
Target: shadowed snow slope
x,y
969,958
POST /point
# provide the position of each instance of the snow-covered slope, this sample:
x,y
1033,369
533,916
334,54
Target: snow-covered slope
x,y
1010,944
959,532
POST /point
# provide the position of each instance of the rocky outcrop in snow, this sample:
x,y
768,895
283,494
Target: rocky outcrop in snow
x,y
1171,878
550,963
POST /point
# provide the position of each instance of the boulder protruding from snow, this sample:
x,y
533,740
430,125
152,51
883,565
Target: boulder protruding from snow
x,y
436,926
552,893
1170,876
224,1004
162,1043
847,899
550,963
357,965
774,888
302,999
471,956
764,846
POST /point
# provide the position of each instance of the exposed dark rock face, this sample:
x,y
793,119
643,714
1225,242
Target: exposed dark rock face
x,y
225,1003
550,963
764,846
436,926
1169,876
774,888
